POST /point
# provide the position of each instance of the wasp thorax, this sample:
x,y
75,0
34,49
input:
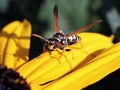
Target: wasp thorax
x,y
59,37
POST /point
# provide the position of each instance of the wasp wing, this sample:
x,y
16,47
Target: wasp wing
x,y
55,13
84,28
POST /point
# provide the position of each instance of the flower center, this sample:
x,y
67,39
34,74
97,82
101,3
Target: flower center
x,y
11,80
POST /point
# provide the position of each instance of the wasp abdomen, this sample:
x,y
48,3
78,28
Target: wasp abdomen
x,y
73,39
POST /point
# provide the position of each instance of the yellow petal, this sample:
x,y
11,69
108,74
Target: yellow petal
x,y
15,43
4,35
35,87
52,66
24,43
90,72
91,40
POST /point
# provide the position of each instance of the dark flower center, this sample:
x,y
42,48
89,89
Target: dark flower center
x,y
11,80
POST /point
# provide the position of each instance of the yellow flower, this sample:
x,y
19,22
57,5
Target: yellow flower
x,y
56,70
14,50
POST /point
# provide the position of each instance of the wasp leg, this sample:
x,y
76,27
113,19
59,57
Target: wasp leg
x,y
71,63
83,46
61,54
73,58
44,47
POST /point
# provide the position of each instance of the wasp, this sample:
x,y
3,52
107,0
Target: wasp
x,y
59,39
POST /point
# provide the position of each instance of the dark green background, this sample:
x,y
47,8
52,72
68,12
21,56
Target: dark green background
x,y
73,14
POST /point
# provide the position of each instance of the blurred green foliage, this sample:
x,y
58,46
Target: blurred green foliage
x,y
73,14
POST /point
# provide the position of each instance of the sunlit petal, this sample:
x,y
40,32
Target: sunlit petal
x,y
90,72
54,65
13,38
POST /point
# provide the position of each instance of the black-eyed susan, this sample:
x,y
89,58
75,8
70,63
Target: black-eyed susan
x,y
74,69
14,50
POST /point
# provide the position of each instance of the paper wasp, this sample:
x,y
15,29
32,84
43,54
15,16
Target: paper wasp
x,y
59,39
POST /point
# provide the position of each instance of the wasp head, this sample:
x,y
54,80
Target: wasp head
x,y
52,44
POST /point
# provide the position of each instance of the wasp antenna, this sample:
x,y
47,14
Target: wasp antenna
x,y
38,36
55,13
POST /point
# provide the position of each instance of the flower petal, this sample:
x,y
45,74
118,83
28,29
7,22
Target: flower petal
x,y
91,40
4,35
54,65
15,43
89,73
